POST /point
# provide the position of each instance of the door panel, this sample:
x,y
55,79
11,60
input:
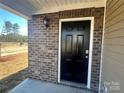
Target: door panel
x,y
80,45
69,41
74,43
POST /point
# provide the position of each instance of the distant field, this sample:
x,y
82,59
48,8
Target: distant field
x,y
12,47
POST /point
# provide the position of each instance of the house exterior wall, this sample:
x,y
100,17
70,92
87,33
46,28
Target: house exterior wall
x,y
113,54
43,44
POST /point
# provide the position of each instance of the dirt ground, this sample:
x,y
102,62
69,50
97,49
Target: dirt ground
x,y
11,64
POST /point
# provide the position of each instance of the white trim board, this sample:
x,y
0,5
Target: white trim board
x,y
90,46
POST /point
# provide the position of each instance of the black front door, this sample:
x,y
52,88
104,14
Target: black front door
x,y
75,51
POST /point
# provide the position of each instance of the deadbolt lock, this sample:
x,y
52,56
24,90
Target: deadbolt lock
x,y
87,51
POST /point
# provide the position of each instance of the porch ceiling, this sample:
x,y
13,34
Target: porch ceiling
x,y
29,7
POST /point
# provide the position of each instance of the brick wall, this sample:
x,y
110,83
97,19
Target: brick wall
x,y
43,44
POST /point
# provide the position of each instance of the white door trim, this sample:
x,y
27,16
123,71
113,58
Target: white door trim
x,y
90,46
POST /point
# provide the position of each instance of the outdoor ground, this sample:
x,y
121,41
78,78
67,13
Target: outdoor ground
x,y
14,58
11,64
9,48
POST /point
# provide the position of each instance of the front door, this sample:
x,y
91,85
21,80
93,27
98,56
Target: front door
x,y
75,51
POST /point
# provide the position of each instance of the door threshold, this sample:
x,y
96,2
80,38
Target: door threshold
x,y
73,84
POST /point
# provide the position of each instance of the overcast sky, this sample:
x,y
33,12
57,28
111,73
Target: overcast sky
x,y
7,16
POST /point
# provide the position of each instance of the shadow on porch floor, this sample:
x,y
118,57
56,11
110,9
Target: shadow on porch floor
x,y
36,86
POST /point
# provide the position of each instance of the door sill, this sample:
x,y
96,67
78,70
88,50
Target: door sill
x,y
73,84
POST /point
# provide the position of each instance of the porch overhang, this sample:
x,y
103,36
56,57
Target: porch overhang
x,y
26,8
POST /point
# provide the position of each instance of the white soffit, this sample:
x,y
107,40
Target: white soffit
x,y
26,8
70,5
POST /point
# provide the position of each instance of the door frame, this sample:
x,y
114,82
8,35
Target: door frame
x,y
90,46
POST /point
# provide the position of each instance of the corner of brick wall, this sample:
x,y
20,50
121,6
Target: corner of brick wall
x,y
43,47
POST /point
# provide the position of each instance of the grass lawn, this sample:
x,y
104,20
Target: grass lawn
x,y
11,64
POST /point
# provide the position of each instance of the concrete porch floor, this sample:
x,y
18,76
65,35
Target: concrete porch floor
x,y
37,86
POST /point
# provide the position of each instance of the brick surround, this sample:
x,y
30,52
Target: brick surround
x,y
43,44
